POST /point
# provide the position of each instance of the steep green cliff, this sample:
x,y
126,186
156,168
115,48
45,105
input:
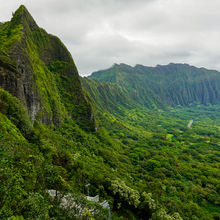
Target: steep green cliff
x,y
38,69
173,84
107,96
143,159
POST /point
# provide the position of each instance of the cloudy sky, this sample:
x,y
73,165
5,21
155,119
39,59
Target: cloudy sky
x,y
99,33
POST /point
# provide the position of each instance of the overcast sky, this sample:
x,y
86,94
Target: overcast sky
x,y
99,33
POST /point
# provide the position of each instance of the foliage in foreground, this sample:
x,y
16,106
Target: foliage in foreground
x,y
146,163
145,168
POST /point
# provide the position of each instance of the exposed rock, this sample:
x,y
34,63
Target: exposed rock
x,y
39,70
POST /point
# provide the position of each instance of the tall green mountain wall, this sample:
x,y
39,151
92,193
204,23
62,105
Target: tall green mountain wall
x,y
38,69
173,84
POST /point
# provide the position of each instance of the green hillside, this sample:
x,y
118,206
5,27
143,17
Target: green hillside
x,y
164,152
38,69
176,164
173,84
124,139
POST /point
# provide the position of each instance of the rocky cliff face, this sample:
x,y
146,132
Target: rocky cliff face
x,y
173,84
38,69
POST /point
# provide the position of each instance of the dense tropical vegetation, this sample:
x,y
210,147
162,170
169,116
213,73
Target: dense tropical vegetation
x,y
180,166
124,136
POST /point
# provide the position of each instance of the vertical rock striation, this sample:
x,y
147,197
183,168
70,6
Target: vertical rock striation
x,y
38,69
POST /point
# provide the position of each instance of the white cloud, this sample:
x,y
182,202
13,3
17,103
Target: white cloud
x,y
99,33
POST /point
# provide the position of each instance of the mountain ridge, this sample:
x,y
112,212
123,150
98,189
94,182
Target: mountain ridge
x,y
142,159
41,73
173,84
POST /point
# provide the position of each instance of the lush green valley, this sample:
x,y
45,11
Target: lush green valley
x,y
175,163
121,134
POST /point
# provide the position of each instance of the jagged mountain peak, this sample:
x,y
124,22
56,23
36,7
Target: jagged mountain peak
x,y
23,17
174,84
38,69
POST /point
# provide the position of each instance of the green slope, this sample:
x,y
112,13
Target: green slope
x,y
173,84
142,159
38,69
179,166
168,159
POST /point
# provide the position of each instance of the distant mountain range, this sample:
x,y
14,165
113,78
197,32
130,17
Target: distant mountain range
x,y
163,85
118,134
